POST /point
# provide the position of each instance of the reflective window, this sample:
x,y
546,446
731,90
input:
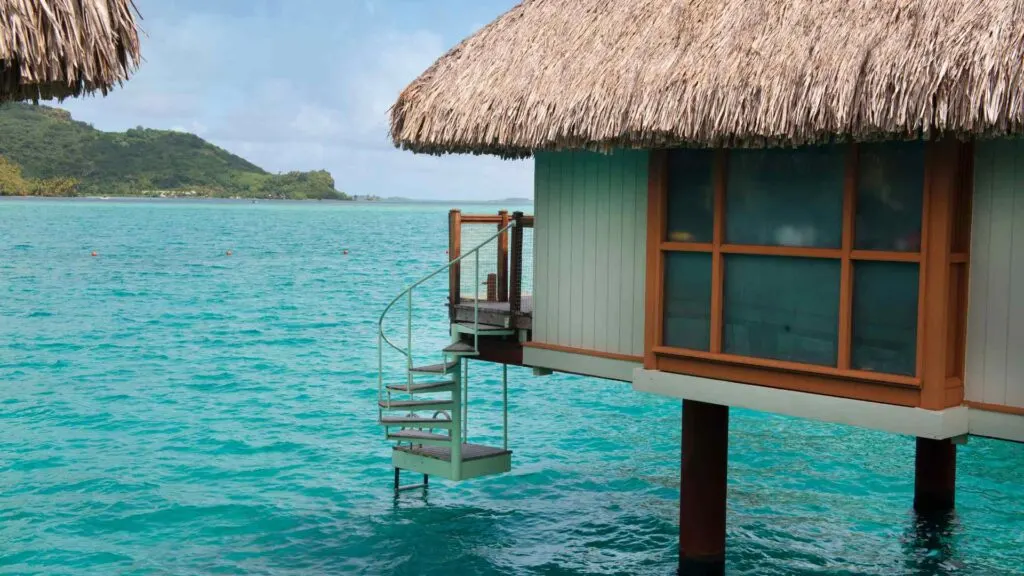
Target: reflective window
x,y
885,317
691,196
687,309
782,308
890,189
784,197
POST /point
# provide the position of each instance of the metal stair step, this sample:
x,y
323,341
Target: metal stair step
x,y
417,422
440,404
469,452
423,387
420,437
464,348
435,368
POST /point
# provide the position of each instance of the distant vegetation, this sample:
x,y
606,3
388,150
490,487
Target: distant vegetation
x,y
12,183
47,153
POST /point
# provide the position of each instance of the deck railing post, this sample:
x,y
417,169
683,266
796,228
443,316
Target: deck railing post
x,y
503,257
516,272
454,251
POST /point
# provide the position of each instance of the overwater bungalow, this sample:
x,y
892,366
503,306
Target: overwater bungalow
x,y
804,208
54,50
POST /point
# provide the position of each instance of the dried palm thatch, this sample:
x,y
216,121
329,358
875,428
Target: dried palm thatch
x,y
59,48
599,74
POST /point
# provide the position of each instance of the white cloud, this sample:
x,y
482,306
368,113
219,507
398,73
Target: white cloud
x,y
299,89
394,59
317,122
196,128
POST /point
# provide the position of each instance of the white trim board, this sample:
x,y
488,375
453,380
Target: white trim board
x,y
936,424
582,364
997,425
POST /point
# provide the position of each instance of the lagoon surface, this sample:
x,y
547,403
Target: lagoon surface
x,y
168,409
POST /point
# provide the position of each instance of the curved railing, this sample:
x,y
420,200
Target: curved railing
x,y
407,293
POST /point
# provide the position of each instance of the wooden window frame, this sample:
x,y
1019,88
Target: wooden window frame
x,y
935,384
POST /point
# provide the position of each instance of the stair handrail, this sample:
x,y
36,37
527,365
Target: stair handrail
x,y
407,292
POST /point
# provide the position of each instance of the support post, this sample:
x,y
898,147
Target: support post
x,y
454,251
398,483
934,476
492,288
702,489
503,257
515,291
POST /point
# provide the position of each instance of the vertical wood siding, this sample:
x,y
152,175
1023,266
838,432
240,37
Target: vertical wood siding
x,y
995,314
590,250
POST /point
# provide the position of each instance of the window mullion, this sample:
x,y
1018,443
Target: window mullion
x,y
717,266
846,273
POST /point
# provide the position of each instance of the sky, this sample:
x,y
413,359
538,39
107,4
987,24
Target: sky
x,y
305,85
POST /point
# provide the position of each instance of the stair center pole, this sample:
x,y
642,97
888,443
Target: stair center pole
x,y
456,430
408,358
504,405
465,400
476,304
380,375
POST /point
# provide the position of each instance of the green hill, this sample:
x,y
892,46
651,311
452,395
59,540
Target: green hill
x,y
49,146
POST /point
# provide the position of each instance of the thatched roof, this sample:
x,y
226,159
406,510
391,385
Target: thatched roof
x,y
58,48
644,73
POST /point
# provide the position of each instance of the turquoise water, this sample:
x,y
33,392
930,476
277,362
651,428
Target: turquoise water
x,y
168,409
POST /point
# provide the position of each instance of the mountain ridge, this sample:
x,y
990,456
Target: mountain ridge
x,y
48,145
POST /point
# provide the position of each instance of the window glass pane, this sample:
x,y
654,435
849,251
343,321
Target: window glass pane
x,y
779,197
691,195
782,308
890,188
687,300
885,317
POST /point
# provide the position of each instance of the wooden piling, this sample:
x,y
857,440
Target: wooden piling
x,y
934,476
702,489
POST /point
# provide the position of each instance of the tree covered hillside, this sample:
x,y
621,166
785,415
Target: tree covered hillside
x,y
47,144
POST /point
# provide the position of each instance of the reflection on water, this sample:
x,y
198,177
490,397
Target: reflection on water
x,y
930,544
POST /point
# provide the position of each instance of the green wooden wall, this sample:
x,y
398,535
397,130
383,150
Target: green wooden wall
x,y
995,311
589,250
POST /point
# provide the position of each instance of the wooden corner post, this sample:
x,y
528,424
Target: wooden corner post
x,y
503,257
454,251
947,215
657,181
516,270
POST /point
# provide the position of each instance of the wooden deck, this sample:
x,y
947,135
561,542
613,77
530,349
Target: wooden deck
x,y
497,313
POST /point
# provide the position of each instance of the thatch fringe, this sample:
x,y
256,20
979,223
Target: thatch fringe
x,y
59,48
600,74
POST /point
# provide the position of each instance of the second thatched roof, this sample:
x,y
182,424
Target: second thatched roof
x,y
645,73
59,48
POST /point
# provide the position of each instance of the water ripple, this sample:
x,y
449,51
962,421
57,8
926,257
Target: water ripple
x,y
167,409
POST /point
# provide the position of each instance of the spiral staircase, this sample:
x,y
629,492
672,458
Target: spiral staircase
x,y
425,413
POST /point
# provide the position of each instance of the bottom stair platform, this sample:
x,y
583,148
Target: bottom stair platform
x,y
477,460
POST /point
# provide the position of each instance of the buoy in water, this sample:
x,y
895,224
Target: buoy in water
x,y
94,253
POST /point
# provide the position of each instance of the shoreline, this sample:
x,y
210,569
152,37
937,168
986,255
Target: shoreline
x,y
211,199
